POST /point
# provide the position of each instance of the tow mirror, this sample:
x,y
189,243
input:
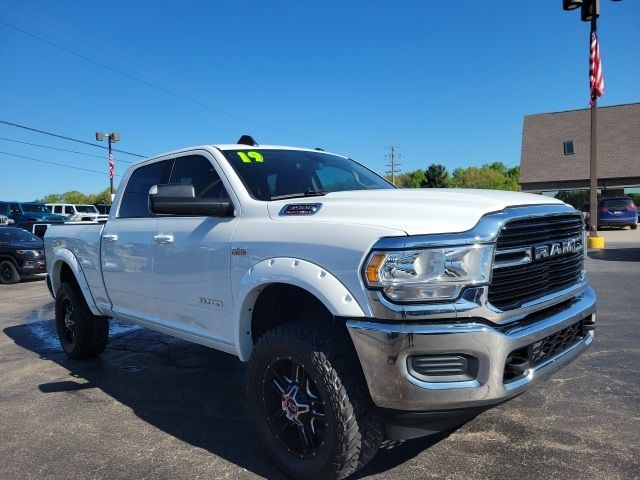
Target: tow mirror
x,y
180,199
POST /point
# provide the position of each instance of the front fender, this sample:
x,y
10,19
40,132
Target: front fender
x,y
65,256
292,271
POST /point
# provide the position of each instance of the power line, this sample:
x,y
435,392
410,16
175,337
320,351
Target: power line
x,y
165,90
54,163
59,149
68,138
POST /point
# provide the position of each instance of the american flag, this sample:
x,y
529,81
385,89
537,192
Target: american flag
x,y
596,80
112,165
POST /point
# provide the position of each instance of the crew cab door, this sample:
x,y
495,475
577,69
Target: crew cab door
x,y
191,258
126,246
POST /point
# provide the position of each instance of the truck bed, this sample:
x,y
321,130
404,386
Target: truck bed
x,y
83,241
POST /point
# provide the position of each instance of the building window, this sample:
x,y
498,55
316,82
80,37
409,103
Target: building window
x,y
568,147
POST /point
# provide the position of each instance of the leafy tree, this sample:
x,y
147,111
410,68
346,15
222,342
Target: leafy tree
x,y
75,196
436,176
411,179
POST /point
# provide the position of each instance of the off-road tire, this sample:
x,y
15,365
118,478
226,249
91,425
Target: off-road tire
x,y
8,273
89,333
353,430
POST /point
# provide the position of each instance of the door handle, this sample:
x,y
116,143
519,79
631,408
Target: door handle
x,y
163,238
110,237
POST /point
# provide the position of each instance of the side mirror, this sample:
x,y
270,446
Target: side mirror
x,y
180,199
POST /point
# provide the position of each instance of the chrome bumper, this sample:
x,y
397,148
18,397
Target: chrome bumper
x,y
384,349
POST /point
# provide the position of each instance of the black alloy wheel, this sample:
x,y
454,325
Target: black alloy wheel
x,y
8,273
81,333
294,408
68,333
309,401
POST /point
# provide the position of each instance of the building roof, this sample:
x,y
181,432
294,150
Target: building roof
x,y
544,164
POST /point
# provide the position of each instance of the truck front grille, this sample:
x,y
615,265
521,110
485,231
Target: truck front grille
x,y
536,277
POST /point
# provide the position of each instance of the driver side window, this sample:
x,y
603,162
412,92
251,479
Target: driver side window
x,y
198,171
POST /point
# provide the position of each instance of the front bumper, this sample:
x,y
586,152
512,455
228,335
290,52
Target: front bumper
x,y
384,350
32,267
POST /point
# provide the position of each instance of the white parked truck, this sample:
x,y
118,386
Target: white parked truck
x,y
367,313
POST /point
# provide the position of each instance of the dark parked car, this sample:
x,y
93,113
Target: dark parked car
x,y
21,253
615,212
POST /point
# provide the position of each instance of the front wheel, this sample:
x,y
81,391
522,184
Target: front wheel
x,y
82,334
8,273
310,403
633,226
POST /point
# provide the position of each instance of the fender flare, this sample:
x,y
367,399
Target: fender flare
x,y
66,256
291,271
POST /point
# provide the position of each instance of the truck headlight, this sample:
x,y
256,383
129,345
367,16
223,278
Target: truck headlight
x,y
431,274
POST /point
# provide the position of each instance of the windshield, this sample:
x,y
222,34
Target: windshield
x,y
35,207
17,235
86,209
274,174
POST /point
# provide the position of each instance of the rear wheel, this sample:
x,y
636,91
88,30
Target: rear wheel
x,y
633,226
8,272
82,334
310,403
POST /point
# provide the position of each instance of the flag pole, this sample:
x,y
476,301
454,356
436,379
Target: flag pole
x,y
593,151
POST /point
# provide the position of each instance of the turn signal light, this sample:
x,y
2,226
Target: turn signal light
x,y
371,271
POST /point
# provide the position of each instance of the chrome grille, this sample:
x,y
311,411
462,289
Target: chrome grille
x,y
523,277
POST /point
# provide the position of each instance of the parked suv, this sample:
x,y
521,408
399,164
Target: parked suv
x,y
21,253
615,212
31,216
77,213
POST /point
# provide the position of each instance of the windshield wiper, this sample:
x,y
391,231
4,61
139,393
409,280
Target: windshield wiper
x,y
315,193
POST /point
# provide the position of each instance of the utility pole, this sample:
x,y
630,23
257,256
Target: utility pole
x,y
393,164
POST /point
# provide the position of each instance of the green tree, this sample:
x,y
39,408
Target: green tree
x,y
413,179
436,176
74,196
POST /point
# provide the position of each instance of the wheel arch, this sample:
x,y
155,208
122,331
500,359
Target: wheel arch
x,y
318,288
65,268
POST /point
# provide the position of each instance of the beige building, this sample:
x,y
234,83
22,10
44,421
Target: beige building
x,y
555,150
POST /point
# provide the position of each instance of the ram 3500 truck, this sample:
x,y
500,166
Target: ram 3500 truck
x,y
367,313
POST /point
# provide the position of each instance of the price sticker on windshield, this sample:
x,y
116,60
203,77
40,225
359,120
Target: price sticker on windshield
x,y
249,157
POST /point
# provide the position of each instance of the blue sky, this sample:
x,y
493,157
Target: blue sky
x,y
446,82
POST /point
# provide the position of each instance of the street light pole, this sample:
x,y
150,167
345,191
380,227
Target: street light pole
x,y
111,176
593,154
590,11
111,138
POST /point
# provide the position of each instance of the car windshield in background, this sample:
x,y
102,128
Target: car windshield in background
x,y
277,174
17,235
616,203
86,209
35,207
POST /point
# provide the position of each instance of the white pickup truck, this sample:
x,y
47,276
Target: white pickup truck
x,y
367,313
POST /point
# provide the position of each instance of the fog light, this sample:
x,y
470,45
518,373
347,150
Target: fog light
x,y
443,368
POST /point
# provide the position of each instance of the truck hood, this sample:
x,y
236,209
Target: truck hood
x,y
413,211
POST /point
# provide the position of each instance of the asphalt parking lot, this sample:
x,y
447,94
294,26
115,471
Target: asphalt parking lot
x,y
154,407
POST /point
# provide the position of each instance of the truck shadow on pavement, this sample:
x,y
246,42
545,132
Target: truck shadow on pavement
x,y
629,254
193,393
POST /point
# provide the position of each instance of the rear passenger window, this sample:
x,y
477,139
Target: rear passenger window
x,y
135,200
198,171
